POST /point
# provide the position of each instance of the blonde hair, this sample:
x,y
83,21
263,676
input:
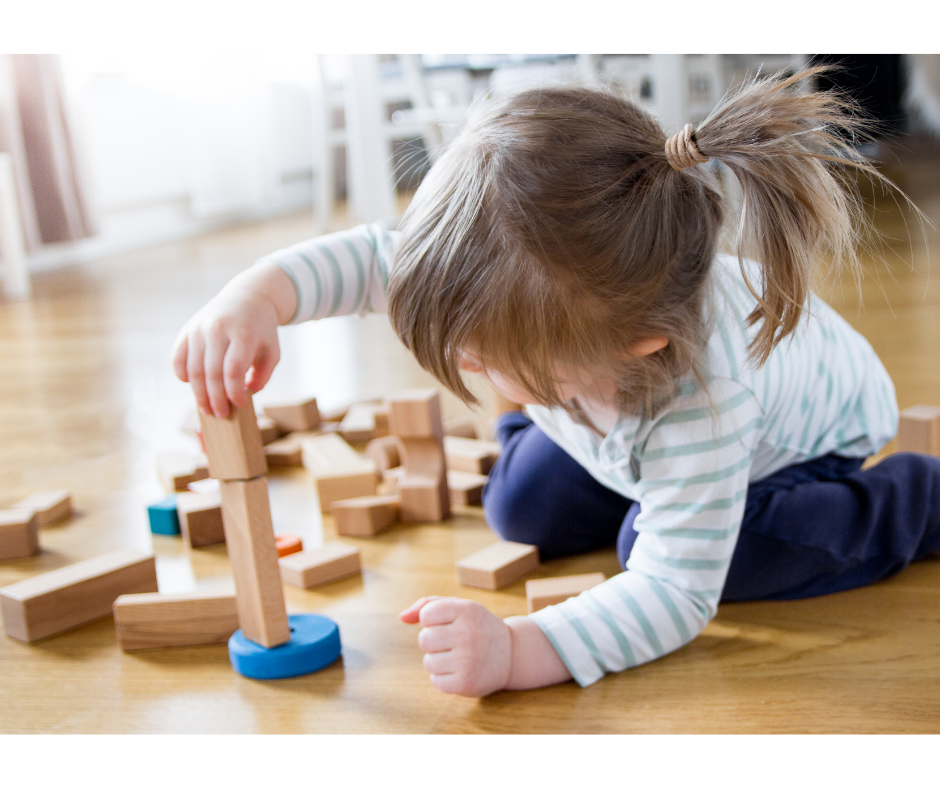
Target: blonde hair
x,y
554,230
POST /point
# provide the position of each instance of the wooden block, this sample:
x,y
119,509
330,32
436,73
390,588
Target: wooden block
x,y
19,533
166,620
497,565
315,567
288,450
415,414
269,430
472,456
553,590
337,469
64,598
380,415
919,430
460,427
365,516
415,418
200,517
177,469
233,444
249,535
359,423
48,506
384,452
294,415
466,489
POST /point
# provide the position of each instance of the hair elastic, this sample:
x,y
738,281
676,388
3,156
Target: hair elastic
x,y
681,150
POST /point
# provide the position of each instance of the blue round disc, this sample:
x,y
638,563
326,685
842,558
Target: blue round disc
x,y
314,644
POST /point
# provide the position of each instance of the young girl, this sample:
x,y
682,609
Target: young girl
x,y
705,413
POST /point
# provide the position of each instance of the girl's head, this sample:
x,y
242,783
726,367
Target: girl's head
x,y
555,245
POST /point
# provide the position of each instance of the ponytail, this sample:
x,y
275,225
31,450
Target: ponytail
x,y
781,144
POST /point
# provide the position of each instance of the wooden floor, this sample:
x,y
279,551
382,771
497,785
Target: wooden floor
x,y
89,400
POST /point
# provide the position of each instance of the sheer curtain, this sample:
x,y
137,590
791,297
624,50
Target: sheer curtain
x,y
35,131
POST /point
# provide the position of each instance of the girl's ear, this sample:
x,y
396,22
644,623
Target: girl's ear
x,y
646,346
469,364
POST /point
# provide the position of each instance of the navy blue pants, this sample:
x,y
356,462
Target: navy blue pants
x,y
810,529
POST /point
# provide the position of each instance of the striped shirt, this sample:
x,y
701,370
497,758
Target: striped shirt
x,y
823,390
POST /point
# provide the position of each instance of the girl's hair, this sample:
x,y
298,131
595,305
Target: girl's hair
x,y
555,231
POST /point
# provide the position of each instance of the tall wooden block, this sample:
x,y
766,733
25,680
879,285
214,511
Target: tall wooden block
x,y
64,598
365,516
200,518
19,533
472,456
466,489
249,535
554,590
294,415
497,565
415,418
337,469
165,620
321,565
48,506
919,430
233,444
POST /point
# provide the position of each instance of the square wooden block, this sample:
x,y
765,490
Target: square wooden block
x,y
415,414
497,565
64,598
294,415
268,428
233,444
466,489
365,516
553,590
178,469
919,430
359,424
19,533
200,517
338,471
48,506
320,565
167,620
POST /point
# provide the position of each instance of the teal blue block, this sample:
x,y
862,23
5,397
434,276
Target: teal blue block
x,y
163,517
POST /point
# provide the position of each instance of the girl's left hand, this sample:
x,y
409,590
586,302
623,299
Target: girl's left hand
x,y
468,650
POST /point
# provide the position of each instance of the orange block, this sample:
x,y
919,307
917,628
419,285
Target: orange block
x,y
287,544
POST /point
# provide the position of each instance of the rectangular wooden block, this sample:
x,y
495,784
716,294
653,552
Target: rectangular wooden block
x,y
249,536
287,451
553,590
200,517
19,533
49,506
384,452
337,469
321,565
415,414
358,425
466,489
497,565
178,469
460,427
233,445
365,516
64,598
919,430
166,620
472,456
269,430
295,415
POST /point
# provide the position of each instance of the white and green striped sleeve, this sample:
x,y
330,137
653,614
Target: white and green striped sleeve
x,y
340,273
692,485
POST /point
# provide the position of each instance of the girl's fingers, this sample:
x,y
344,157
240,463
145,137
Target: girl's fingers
x,y
215,380
438,611
440,663
195,372
446,682
178,357
410,616
238,358
437,638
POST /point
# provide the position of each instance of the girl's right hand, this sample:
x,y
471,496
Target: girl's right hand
x,y
227,346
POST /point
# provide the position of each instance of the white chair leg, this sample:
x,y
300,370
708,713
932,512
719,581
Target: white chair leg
x,y
371,188
324,178
12,249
